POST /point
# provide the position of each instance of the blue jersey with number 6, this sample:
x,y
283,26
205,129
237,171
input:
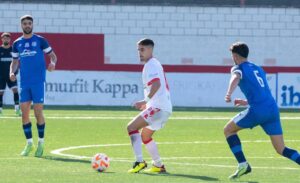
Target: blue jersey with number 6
x,y
253,83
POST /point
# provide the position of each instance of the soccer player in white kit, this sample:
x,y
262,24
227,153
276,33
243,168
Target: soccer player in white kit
x,y
156,108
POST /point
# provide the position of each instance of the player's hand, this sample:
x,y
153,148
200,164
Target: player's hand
x,y
140,105
12,77
227,98
51,67
240,102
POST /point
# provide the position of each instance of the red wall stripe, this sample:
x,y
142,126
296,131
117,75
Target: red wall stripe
x,y
85,52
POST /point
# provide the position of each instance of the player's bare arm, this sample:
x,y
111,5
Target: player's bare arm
x,y
234,81
13,68
53,61
141,105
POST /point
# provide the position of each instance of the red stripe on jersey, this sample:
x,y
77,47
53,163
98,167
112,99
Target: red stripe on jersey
x,y
147,141
152,81
133,132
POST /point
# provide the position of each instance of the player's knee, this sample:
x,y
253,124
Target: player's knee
x,y
130,128
226,130
279,150
145,138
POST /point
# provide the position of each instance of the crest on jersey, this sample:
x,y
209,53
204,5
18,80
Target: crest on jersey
x,y
33,44
26,45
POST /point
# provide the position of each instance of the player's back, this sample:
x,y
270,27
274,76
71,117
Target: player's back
x,y
254,84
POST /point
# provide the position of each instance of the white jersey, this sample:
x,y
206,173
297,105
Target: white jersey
x,y
152,72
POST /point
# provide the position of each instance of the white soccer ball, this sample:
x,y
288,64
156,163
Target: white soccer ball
x,y
100,162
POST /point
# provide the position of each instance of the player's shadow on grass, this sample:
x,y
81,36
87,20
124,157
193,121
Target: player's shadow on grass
x,y
69,160
53,158
206,178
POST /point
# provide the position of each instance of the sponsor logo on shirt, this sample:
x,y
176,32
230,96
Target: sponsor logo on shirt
x,y
28,53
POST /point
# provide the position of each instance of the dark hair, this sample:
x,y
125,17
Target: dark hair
x,y
146,42
7,34
26,17
240,49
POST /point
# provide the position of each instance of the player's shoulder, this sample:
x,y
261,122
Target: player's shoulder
x,y
37,36
235,68
19,39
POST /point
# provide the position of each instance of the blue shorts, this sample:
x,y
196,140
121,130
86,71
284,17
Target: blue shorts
x,y
266,116
34,92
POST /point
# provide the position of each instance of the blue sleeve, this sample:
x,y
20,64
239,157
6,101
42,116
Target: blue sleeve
x,y
236,70
45,45
15,52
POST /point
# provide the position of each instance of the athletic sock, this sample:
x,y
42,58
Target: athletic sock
x,y
153,151
41,132
236,148
28,132
16,99
1,101
136,142
291,154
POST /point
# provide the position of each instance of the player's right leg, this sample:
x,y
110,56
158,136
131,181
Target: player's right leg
x,y
1,101
279,146
273,128
13,85
2,88
25,107
136,141
240,121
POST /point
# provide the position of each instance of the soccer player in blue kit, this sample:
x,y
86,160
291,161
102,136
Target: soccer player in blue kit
x,y
28,51
262,109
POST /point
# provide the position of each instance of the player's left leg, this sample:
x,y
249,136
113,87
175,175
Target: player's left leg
x,y
152,149
156,119
136,141
38,105
38,112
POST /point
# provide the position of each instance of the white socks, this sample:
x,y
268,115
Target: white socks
x,y
136,142
153,151
29,141
41,140
17,107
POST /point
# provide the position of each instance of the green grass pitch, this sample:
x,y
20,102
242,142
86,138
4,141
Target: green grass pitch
x,y
192,147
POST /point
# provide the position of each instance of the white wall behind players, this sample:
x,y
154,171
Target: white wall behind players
x,y
113,88
199,34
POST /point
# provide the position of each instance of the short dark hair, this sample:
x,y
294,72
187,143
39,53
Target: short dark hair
x,y
240,48
7,34
26,17
146,42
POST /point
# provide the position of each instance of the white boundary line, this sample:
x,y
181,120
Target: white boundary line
x,y
59,152
129,118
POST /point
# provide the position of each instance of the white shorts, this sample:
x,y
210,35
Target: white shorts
x,y
155,118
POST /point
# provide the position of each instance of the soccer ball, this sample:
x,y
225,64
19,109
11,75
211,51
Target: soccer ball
x,y
100,162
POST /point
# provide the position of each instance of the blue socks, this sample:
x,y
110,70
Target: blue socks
x,y
236,148
291,154
41,130
27,130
